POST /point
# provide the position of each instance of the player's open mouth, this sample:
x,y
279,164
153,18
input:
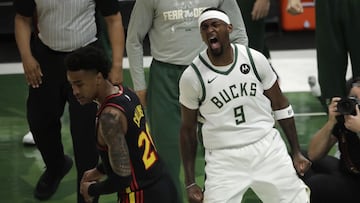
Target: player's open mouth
x,y
214,42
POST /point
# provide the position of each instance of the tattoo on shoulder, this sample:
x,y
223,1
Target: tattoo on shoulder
x,y
114,138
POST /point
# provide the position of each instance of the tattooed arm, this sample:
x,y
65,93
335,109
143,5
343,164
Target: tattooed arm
x,y
112,128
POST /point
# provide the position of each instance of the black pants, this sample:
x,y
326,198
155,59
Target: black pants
x,y
328,183
255,29
337,37
45,107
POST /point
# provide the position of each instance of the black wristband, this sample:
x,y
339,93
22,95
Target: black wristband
x,y
96,189
112,184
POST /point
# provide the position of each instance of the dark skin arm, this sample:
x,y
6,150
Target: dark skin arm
x,y
31,66
279,101
188,145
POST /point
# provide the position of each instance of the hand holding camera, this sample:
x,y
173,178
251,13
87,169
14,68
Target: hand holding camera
x,y
352,122
347,106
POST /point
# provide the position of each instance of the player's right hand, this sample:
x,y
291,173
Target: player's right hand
x,y
195,194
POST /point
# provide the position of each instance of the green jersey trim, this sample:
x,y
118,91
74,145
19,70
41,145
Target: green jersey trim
x,y
253,64
201,82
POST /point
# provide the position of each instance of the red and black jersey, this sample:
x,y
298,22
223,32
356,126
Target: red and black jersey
x,y
146,166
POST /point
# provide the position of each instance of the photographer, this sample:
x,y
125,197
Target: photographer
x,y
331,179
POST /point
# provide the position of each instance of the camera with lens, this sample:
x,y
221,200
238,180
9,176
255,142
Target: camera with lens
x,y
347,106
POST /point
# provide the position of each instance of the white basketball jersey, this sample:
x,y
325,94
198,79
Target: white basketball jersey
x,y
231,102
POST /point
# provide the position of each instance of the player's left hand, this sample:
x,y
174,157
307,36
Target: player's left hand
x,y
301,163
195,194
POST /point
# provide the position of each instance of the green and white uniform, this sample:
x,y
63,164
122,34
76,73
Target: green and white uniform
x,y
172,27
230,99
242,148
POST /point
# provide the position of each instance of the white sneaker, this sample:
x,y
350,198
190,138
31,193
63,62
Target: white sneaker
x,y
28,139
314,86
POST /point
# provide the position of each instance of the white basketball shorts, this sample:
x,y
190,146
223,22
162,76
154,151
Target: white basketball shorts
x,y
264,166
